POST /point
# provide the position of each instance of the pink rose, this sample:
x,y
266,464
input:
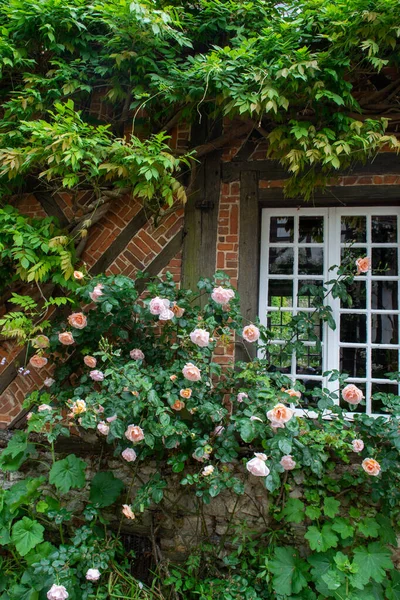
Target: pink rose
x,y
38,361
256,466
134,434
41,341
57,592
29,416
208,470
112,419
166,315
44,407
78,275
222,295
127,511
363,265
358,445
66,338
158,305
251,333
280,415
241,396
90,361
287,462
48,382
96,375
371,466
136,354
352,394
77,320
97,292
200,337
103,428
92,575
129,455
191,372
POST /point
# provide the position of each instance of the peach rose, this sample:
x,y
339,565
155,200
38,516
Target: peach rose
x,y
256,466
371,466
186,393
222,295
200,337
134,434
358,445
208,470
293,393
191,372
41,341
103,428
352,394
177,310
363,265
287,462
250,333
280,415
78,275
38,361
127,511
129,455
78,407
66,338
178,405
77,320
90,361
97,292
173,377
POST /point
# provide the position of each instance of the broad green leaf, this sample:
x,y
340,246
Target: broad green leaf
x,y
372,563
393,588
247,431
68,473
331,507
16,452
321,540
343,528
369,527
23,492
313,512
289,571
105,489
26,534
387,532
293,511
42,550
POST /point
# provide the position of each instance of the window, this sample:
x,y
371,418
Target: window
x,y
298,247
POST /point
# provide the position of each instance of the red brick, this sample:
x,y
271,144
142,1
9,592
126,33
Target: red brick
x,y
365,180
220,260
390,179
234,219
235,188
277,183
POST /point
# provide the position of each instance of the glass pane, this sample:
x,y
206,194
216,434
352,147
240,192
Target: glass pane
x,y
278,324
360,408
304,332
384,361
281,261
310,362
384,229
311,261
385,295
280,293
353,328
308,289
281,229
311,230
384,329
353,361
308,400
350,255
377,405
278,359
354,229
357,293
384,261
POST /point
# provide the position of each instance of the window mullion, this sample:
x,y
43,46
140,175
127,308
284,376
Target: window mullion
x,y
332,258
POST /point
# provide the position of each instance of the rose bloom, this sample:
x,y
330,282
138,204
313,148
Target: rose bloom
x,y
178,405
363,265
166,315
97,292
371,466
358,445
222,295
57,592
134,434
92,575
200,337
29,416
78,407
256,466
250,333
112,419
127,511
352,394
66,338
177,310
280,415
208,470
41,341
173,377
78,275
158,305
77,320
191,372
287,462
136,354
293,393
48,382
219,430
129,455
96,375
103,428
186,393
90,361
44,407
241,396
38,361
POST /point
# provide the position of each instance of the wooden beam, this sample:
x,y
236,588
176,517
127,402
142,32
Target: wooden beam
x,y
162,259
354,195
10,372
50,207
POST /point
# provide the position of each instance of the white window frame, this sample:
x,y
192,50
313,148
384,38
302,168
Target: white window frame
x,y
332,249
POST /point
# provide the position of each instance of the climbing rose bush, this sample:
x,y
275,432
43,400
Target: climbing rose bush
x,y
137,372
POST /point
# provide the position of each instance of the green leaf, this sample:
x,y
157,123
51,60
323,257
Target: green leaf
x,y
313,512
343,528
105,489
331,507
321,540
16,452
369,527
247,431
393,589
372,563
26,534
68,473
293,511
387,532
289,571
41,551
23,492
